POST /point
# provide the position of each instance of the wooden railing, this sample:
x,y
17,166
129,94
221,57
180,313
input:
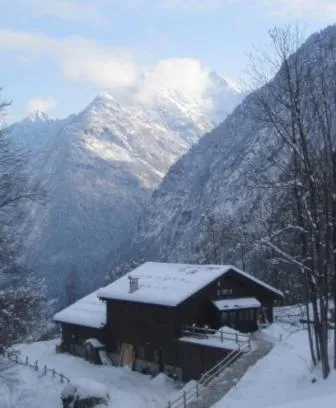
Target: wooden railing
x,y
223,335
187,396
214,373
14,357
209,377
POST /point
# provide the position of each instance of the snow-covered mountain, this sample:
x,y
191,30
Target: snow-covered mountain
x,y
99,169
217,175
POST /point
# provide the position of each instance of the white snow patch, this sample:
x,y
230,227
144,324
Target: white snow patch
x,y
94,343
126,388
85,388
238,303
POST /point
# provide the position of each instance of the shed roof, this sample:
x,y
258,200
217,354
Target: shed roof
x,y
170,284
237,303
89,311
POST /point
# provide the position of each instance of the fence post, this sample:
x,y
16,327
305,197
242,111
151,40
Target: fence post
x,y
16,358
53,372
197,390
184,399
62,378
169,404
36,365
221,334
27,360
236,337
45,370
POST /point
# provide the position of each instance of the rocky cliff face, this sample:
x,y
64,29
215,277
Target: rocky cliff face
x,y
217,176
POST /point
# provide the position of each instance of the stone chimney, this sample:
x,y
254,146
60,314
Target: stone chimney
x,y
133,284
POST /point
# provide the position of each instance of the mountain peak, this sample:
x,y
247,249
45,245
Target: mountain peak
x,y
38,116
104,100
222,83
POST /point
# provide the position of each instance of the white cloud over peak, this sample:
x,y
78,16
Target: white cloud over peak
x,y
177,74
40,104
107,67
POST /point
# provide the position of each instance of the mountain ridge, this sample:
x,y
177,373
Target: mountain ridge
x,y
99,168
215,179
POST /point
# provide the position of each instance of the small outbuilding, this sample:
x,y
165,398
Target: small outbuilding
x,y
83,327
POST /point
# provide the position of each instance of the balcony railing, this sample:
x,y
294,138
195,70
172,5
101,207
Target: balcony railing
x,y
222,335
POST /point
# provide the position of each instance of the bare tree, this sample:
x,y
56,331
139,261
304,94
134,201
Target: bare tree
x,y
23,306
298,108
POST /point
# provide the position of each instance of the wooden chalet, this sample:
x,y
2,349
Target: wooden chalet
x,y
176,318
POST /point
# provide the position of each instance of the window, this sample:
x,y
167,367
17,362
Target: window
x,y
225,318
226,291
140,352
247,314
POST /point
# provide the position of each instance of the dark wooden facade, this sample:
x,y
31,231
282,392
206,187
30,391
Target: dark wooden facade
x,y
76,334
196,359
154,329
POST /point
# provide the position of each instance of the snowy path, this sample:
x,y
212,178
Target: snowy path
x,y
283,376
127,388
232,375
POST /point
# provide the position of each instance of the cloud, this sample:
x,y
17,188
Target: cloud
x,y
177,74
67,10
285,8
40,104
302,8
107,67
194,5
78,58
104,66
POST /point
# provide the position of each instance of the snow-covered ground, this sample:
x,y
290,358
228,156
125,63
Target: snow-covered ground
x,y
284,378
28,389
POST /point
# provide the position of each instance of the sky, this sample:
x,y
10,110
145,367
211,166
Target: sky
x,y
57,55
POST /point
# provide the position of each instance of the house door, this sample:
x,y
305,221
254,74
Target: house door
x,y
229,318
233,319
127,354
160,360
247,320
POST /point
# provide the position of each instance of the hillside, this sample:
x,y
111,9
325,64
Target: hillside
x,y
99,169
217,177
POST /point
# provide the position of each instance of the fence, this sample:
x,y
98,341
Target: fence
x,y
13,356
207,378
202,332
292,319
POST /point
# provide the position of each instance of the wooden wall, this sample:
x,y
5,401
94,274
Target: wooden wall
x,y
74,334
195,359
139,323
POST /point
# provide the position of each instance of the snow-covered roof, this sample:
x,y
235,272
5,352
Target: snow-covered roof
x,y
89,311
169,284
238,303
